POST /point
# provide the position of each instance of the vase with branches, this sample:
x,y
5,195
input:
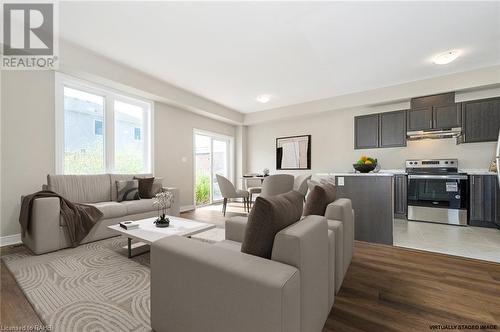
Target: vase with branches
x,y
163,201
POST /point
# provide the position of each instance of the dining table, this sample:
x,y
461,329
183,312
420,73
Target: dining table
x,y
255,178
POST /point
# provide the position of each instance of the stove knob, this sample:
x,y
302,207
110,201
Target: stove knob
x,y
446,162
452,162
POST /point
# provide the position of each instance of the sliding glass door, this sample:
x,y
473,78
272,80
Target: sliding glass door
x,y
211,157
220,159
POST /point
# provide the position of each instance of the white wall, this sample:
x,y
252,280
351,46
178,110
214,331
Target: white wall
x,y
28,134
28,141
332,142
174,143
85,64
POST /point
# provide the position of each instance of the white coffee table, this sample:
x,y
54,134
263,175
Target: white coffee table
x,y
148,233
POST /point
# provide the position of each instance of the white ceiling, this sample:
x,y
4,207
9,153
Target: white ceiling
x,y
230,52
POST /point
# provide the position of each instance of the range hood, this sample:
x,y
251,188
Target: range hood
x,y
434,134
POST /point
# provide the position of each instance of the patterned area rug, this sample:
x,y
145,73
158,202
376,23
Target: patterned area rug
x,y
94,287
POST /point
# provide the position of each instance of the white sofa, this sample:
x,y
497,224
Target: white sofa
x,y
48,231
196,286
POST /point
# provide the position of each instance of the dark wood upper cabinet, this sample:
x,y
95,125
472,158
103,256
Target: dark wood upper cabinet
x,y
433,100
448,116
481,120
366,131
420,118
434,112
392,129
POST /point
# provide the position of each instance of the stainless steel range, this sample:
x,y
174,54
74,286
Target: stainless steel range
x,y
437,192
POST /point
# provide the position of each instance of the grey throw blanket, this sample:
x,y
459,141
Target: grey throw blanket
x,y
80,218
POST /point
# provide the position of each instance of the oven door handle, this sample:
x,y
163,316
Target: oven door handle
x,y
438,177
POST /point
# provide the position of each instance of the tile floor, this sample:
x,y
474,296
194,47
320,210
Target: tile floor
x,y
473,242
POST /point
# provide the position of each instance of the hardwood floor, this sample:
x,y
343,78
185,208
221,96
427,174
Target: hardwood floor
x,y
213,213
386,289
15,310
396,289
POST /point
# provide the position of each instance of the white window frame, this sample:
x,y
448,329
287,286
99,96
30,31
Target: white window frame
x,y
109,95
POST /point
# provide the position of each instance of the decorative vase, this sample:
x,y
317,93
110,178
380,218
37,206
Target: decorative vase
x,y
162,221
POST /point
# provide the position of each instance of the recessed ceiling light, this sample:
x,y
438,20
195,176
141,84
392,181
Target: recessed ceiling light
x,y
446,57
263,98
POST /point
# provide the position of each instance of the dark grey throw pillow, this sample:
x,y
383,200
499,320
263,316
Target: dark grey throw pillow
x,y
145,187
318,199
127,190
267,217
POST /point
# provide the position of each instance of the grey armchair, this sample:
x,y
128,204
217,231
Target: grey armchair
x,y
340,219
216,287
277,184
228,191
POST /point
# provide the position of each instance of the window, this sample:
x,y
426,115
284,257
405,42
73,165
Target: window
x,y
137,134
100,131
129,150
83,147
97,127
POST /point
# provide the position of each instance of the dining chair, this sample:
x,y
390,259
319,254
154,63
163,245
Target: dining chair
x,y
277,184
228,191
300,183
254,188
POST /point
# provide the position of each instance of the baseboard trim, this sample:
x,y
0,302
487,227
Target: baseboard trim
x,y
186,208
9,240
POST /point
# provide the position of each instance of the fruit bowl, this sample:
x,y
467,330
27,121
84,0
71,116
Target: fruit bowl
x,y
365,164
364,168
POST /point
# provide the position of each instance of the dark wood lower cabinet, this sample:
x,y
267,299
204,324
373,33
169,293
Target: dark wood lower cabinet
x,y
400,195
484,209
372,201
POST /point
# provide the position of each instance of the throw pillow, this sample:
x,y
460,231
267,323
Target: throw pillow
x,y
318,199
311,184
269,216
127,190
145,187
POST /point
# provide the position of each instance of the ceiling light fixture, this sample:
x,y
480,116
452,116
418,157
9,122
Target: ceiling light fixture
x,y
446,57
263,98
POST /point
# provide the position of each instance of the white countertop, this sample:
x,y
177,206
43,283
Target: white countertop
x,y
352,173
391,172
362,174
477,172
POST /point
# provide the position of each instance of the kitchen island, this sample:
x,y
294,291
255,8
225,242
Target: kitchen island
x,y
372,196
